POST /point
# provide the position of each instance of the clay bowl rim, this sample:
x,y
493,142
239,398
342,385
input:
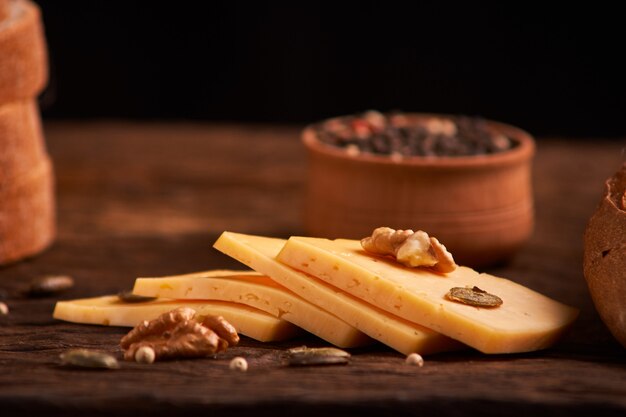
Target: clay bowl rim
x,y
522,152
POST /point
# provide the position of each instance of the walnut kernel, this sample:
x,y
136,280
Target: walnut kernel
x,y
414,249
177,334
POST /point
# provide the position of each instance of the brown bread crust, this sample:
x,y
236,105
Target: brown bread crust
x,y
22,146
604,261
27,216
23,67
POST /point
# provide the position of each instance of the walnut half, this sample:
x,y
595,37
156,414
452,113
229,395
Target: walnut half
x,y
178,334
414,249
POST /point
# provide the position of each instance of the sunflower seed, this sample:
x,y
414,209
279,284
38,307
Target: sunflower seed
x,y
474,297
85,358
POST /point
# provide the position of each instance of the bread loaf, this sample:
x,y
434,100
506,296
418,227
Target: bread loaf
x,y
27,209
21,139
27,218
4,9
604,262
23,57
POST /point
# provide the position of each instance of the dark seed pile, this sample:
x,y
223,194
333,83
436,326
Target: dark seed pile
x,y
397,136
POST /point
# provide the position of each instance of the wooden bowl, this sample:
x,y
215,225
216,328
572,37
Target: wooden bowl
x,y
480,207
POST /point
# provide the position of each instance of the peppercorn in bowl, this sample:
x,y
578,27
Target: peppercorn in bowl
x,y
466,180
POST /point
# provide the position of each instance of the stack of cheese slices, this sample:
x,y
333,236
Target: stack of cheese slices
x,y
26,178
337,291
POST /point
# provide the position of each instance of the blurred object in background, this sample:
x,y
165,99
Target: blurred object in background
x,y
4,9
479,205
27,209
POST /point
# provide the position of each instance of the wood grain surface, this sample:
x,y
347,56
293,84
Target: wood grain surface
x,y
150,199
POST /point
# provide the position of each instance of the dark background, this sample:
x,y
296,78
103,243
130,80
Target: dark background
x,y
552,72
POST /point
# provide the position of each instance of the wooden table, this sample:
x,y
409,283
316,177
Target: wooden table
x,y
150,199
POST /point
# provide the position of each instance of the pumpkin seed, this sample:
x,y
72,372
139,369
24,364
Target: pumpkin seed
x,y
304,359
305,356
325,351
85,358
49,285
128,297
474,297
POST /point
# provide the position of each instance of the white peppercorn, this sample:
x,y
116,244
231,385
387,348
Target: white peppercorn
x,y
415,359
145,354
238,364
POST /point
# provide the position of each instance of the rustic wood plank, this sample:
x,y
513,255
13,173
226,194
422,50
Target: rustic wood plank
x,y
150,199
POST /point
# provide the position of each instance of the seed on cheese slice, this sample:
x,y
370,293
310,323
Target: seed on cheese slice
x,y
526,320
259,253
110,311
257,291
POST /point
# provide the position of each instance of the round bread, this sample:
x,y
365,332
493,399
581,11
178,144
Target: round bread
x,y
27,216
605,256
22,145
23,67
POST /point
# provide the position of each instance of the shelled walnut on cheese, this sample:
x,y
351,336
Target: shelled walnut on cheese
x,y
178,334
414,249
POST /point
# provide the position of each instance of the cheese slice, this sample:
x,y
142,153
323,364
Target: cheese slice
x,y
526,321
259,253
257,291
110,311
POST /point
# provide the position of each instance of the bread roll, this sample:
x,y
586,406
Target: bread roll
x,y
604,262
4,9
22,145
27,217
23,63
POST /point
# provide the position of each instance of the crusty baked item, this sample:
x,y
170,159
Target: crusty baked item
x,y
605,256
27,209
23,57
4,9
27,216
22,145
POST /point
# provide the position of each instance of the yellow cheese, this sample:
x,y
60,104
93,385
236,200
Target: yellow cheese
x,y
259,253
257,291
526,321
110,311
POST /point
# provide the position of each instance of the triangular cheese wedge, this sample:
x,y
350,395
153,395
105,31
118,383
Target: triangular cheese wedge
x,y
526,321
110,311
256,291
